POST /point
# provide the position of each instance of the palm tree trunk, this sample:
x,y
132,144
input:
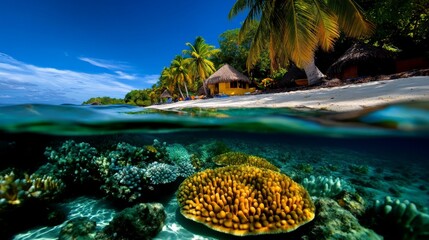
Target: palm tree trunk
x,y
180,91
314,75
186,89
205,88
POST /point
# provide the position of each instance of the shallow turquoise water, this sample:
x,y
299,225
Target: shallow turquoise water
x,y
377,153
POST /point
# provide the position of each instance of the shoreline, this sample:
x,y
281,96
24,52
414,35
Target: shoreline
x,y
338,99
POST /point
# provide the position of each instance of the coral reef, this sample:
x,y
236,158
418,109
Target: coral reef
x,y
14,191
238,158
334,222
74,162
322,186
177,153
125,184
123,172
245,200
143,221
185,169
401,219
161,173
203,152
352,202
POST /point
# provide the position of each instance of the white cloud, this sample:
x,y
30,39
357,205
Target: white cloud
x,y
25,83
125,76
108,64
151,79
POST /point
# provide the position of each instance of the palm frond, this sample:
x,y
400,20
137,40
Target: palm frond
x,y
327,25
351,18
260,38
298,29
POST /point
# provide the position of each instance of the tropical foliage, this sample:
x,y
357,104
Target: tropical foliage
x,y
235,53
199,61
294,30
401,24
104,101
276,32
138,97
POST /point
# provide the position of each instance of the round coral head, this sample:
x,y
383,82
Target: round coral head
x,y
245,200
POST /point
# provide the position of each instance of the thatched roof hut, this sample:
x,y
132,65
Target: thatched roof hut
x,y
360,60
166,94
227,74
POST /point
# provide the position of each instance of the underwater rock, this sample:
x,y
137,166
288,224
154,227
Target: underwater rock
x,y
334,222
238,158
245,200
81,228
322,186
400,219
143,221
352,202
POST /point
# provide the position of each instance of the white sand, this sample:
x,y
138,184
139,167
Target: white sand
x,y
344,98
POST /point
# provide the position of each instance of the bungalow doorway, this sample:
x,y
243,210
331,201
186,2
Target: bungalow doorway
x,y
216,89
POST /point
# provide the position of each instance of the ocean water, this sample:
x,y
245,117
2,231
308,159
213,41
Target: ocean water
x,y
380,156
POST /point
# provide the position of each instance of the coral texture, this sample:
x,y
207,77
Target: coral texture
x,y
238,158
14,190
245,200
74,161
403,217
334,222
143,221
161,173
322,186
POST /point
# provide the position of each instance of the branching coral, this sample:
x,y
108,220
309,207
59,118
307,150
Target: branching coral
x,y
402,218
161,173
245,200
238,158
125,184
322,186
123,172
177,153
74,161
14,190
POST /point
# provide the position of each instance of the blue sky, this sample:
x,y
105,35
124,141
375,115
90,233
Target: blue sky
x,y
67,51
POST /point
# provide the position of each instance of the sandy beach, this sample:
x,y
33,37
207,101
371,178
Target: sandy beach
x,y
340,99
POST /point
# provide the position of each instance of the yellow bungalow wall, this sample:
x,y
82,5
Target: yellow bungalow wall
x,y
224,88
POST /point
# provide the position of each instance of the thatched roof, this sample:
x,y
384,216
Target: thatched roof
x,y
357,54
226,74
166,94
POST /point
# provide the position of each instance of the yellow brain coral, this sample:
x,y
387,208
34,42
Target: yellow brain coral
x,y
238,158
245,200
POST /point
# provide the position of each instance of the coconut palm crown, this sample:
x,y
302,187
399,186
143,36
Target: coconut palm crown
x,y
294,29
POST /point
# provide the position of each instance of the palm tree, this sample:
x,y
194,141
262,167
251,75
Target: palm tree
x,y
200,65
180,72
294,29
167,80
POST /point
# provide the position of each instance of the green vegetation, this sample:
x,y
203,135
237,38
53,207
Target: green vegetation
x,y
279,34
104,101
294,30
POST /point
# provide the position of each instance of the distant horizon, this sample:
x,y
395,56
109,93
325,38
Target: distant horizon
x,y
66,52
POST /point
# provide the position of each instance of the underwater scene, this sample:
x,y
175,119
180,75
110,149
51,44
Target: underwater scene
x,y
124,172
